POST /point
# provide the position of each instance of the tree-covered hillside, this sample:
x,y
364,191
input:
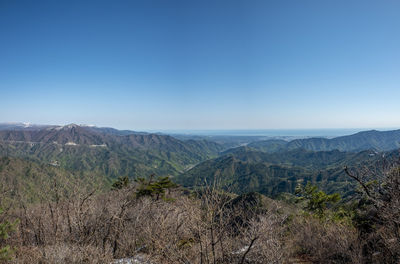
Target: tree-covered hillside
x,y
25,181
85,149
244,169
366,140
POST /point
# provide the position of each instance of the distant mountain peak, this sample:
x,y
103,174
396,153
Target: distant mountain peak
x,y
71,125
66,127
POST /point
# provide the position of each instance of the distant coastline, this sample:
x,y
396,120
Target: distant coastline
x,y
334,132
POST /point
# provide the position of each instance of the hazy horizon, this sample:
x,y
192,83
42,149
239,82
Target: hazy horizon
x,y
275,132
201,65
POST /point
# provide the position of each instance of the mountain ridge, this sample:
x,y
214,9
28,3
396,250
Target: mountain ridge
x,y
364,140
77,147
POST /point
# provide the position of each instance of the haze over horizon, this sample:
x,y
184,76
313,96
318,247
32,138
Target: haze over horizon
x,y
290,133
190,65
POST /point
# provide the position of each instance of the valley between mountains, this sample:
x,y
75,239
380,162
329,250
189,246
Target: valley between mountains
x,y
271,167
83,194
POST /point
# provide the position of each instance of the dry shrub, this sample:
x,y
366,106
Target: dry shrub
x,y
378,212
263,241
91,228
325,242
62,253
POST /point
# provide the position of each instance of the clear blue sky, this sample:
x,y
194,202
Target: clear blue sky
x,y
201,64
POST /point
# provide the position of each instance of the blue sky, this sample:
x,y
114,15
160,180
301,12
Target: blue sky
x,y
201,64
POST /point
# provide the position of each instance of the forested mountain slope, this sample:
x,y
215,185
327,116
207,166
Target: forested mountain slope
x,y
304,158
244,169
366,140
26,181
84,148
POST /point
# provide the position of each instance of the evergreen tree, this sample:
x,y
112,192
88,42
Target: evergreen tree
x,y
152,187
5,228
317,201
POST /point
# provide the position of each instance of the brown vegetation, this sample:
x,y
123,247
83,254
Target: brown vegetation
x,y
182,227
168,224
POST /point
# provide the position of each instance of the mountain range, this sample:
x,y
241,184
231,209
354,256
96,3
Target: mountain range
x,y
267,166
365,140
106,151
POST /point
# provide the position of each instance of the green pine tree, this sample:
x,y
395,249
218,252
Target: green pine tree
x,y
5,228
317,201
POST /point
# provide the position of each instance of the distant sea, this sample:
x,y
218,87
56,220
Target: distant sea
x,y
274,132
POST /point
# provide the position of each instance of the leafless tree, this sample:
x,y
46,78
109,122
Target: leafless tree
x,y
379,209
